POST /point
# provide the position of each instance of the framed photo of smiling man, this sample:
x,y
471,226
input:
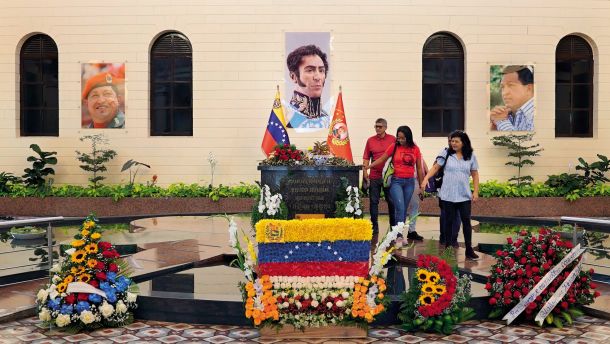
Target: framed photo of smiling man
x,y
307,75
103,95
511,97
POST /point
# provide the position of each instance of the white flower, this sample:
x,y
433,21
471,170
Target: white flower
x,y
285,304
106,309
345,294
329,304
56,279
42,295
69,252
358,212
55,268
86,317
261,208
314,303
131,297
298,304
340,303
62,320
44,314
232,233
120,307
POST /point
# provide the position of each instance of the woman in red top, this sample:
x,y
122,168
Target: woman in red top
x,y
406,158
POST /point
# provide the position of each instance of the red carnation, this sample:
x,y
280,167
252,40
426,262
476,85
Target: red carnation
x,y
104,245
112,267
83,297
94,283
70,299
108,254
493,301
100,276
100,266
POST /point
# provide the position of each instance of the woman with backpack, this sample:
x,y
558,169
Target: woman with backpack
x,y
455,194
406,159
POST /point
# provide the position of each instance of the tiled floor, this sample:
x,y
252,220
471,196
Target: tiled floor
x,y
586,330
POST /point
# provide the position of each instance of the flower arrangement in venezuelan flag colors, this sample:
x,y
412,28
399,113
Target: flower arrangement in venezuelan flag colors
x,y
540,267
89,288
437,298
311,273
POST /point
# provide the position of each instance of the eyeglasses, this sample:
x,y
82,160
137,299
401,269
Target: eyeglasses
x,y
379,126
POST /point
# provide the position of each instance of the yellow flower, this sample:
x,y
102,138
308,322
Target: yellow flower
x,y
313,230
77,243
251,249
68,279
428,288
73,270
84,232
426,299
434,277
91,263
84,278
96,236
61,287
440,289
91,248
88,224
81,269
422,275
78,256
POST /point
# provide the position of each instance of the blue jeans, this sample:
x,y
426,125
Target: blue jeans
x,y
401,190
413,207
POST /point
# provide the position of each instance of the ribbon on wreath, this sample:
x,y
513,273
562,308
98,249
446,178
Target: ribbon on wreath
x,y
544,282
559,293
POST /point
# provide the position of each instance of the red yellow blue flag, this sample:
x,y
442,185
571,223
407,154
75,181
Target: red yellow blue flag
x,y
276,132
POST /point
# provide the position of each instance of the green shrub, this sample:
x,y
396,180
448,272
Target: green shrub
x,y
34,177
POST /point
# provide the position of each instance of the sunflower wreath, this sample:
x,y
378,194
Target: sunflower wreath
x,y
437,297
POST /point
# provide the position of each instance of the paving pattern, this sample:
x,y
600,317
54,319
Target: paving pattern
x,y
585,330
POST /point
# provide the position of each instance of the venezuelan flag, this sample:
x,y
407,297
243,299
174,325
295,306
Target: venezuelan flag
x,y
275,133
314,247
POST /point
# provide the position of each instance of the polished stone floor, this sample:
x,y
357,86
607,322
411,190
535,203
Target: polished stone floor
x,y
585,330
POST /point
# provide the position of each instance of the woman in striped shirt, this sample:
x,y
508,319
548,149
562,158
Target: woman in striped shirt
x,y
455,192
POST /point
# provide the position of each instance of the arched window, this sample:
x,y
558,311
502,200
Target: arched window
x,y
39,94
442,85
573,88
171,86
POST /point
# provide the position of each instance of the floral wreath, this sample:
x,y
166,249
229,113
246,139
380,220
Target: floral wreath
x,y
437,299
90,288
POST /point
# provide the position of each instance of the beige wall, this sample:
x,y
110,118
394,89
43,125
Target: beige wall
x,y
239,58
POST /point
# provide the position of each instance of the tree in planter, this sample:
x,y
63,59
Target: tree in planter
x,y
94,161
6,180
593,173
128,165
517,149
35,177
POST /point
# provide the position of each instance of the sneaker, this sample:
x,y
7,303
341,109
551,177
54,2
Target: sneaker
x,y
470,254
414,236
